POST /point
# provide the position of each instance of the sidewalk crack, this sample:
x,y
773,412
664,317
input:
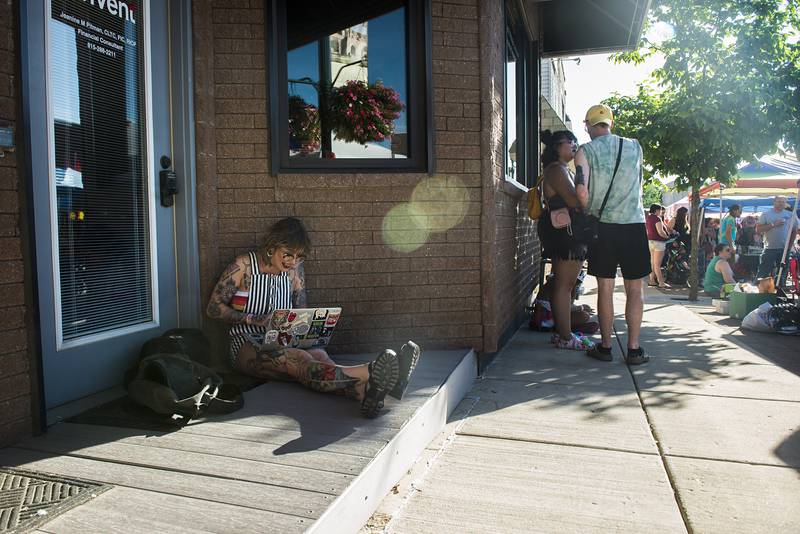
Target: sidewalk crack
x,y
662,455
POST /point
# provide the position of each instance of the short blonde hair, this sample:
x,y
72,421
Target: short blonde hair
x,y
289,233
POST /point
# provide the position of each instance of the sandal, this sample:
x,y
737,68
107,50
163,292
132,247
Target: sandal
x,y
636,356
574,342
599,352
409,356
588,328
383,373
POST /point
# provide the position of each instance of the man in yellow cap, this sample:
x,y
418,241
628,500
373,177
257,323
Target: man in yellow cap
x,y
613,166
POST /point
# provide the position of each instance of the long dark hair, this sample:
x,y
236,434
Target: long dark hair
x,y
681,224
551,141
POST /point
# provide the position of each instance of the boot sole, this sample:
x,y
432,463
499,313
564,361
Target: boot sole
x,y
409,356
383,374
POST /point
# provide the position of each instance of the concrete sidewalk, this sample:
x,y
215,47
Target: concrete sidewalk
x,y
703,438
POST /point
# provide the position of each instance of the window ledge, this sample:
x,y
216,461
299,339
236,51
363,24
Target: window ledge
x,y
513,188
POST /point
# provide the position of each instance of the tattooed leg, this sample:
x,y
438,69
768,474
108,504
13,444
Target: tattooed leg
x,y
324,377
261,364
321,356
298,365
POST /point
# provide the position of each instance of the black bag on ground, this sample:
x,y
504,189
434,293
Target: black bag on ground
x,y
189,341
170,382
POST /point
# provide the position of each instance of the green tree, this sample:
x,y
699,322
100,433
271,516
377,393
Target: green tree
x,y
727,92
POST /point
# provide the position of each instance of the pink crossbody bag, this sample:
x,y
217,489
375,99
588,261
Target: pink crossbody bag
x,y
560,218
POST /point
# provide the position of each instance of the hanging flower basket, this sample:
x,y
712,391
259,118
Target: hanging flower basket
x,y
361,113
304,126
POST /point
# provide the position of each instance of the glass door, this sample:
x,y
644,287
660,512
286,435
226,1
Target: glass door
x,y
106,272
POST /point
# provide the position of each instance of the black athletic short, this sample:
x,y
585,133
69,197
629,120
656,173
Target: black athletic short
x,y
623,245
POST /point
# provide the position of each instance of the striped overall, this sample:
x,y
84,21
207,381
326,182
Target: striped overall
x,y
267,293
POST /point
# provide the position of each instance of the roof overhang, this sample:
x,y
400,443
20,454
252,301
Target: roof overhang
x,y
579,27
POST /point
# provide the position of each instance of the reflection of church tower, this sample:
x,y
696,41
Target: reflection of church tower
x,y
347,46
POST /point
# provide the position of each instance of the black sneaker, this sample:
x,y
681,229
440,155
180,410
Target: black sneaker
x,y
598,352
409,356
383,373
636,356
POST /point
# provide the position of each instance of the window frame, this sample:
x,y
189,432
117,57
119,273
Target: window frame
x,y
419,110
526,87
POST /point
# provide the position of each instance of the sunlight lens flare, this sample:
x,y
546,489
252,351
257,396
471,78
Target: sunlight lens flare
x,y
440,203
402,230
437,204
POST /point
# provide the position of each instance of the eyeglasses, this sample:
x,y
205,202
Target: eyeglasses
x,y
570,141
298,258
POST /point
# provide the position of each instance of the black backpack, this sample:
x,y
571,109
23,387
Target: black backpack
x,y
169,381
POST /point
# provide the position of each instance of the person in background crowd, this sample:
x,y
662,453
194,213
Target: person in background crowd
x,y
727,229
680,225
776,225
708,240
719,271
613,165
746,237
657,235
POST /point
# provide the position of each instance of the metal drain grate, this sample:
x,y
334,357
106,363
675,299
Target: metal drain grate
x,y
28,498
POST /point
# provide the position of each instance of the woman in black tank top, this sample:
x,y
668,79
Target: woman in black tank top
x,y
567,252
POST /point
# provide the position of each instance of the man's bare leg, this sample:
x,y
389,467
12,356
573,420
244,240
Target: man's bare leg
x,y
605,309
634,310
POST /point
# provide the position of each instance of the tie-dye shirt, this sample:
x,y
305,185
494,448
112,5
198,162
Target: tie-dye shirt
x,y
624,204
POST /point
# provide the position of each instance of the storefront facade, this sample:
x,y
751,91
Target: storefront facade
x,y
155,141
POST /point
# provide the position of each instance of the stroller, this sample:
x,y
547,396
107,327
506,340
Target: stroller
x,y
676,263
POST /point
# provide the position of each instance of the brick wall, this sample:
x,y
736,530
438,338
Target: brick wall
x,y
15,379
509,242
433,294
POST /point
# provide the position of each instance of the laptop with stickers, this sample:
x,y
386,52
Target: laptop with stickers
x,y
302,328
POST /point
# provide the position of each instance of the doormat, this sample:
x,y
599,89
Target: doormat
x,y
28,498
125,413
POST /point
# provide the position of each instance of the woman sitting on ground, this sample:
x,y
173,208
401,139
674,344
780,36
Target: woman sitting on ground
x,y
582,319
719,271
566,250
258,283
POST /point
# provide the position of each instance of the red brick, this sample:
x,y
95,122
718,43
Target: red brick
x,y
235,121
241,105
9,202
16,408
15,363
15,386
13,431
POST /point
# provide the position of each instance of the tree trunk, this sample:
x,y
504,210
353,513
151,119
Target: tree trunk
x,y
696,230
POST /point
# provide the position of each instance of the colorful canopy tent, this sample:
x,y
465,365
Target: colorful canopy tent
x,y
756,185
749,204
768,174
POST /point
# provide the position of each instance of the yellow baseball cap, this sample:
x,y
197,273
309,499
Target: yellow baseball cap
x,y
599,113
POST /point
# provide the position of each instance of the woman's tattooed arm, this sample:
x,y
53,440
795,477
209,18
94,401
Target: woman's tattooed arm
x,y
218,306
299,299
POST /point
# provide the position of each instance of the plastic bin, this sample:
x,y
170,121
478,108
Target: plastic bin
x,y
744,303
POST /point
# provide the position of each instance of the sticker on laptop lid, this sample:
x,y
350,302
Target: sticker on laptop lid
x,y
299,329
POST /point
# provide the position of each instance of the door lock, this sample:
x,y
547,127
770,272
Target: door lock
x,y
169,182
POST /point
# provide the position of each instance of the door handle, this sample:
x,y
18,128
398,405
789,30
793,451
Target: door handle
x,y
169,182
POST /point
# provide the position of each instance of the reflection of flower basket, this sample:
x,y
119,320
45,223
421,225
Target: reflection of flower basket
x,y
362,113
304,127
